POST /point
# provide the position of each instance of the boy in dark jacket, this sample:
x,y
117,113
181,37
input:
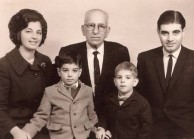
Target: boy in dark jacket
x,y
126,114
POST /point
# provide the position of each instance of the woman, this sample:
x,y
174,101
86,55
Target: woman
x,y
24,73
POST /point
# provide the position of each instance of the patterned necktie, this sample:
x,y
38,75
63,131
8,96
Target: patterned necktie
x,y
96,68
169,71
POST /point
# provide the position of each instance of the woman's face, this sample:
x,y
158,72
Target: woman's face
x,y
31,36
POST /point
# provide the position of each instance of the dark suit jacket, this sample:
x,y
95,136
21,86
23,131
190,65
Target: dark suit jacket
x,y
131,120
114,54
178,103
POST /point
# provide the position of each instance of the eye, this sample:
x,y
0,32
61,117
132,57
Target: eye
x,y
28,31
65,70
165,33
118,77
75,70
102,26
176,32
128,77
39,32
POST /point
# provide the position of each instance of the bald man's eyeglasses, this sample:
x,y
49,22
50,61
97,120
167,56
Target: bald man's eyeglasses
x,y
91,27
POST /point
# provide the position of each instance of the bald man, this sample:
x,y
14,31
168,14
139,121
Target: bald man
x,y
108,55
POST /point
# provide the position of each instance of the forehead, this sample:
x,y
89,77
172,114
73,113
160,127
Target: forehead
x,y
96,17
70,65
34,25
124,72
170,27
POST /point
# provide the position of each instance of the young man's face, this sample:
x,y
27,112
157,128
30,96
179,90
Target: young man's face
x,y
31,36
125,81
171,36
69,73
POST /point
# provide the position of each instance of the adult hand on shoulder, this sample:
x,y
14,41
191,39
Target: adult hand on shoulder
x,y
17,133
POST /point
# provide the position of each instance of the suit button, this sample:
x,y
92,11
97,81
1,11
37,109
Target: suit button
x,y
74,114
75,126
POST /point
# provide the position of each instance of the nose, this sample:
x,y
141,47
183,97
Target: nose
x,y
69,74
122,80
170,37
34,35
96,30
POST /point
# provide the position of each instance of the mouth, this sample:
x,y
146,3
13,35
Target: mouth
x,y
33,42
95,38
170,44
122,86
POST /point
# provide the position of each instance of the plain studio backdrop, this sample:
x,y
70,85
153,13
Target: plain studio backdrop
x,y
133,22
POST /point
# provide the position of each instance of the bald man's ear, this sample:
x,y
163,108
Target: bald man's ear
x,y
83,30
108,31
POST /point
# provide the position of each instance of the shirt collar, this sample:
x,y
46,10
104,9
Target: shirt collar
x,y
124,96
71,86
100,49
175,54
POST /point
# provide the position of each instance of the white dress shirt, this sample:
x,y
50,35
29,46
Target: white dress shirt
x,y
174,59
90,57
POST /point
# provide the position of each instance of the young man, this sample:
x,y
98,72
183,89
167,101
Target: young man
x,y
166,77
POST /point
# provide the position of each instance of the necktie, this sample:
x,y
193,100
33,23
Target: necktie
x,y
169,71
96,68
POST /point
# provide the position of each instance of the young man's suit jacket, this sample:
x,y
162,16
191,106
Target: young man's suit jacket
x,y
64,116
114,54
178,103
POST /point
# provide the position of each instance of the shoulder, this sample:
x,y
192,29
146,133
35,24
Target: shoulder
x,y
75,46
114,45
187,50
42,57
140,98
151,51
85,87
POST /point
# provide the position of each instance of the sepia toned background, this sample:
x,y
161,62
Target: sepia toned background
x,y
132,22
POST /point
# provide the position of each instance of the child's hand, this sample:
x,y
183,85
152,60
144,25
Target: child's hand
x,y
17,133
100,133
108,134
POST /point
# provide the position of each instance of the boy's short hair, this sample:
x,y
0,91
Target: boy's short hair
x,y
68,57
127,66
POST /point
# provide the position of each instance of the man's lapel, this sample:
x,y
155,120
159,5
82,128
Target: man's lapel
x,y
85,76
106,61
178,66
160,67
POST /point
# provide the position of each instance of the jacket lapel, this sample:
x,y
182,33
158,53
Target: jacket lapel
x,y
160,67
178,66
64,91
85,76
114,99
106,61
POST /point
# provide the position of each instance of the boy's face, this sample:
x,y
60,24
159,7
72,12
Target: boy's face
x,y
125,81
69,73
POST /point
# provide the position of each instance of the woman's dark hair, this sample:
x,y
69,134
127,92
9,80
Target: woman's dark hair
x,y
171,16
20,21
68,57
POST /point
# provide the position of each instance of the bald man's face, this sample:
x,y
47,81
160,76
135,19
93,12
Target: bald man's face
x,y
95,28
